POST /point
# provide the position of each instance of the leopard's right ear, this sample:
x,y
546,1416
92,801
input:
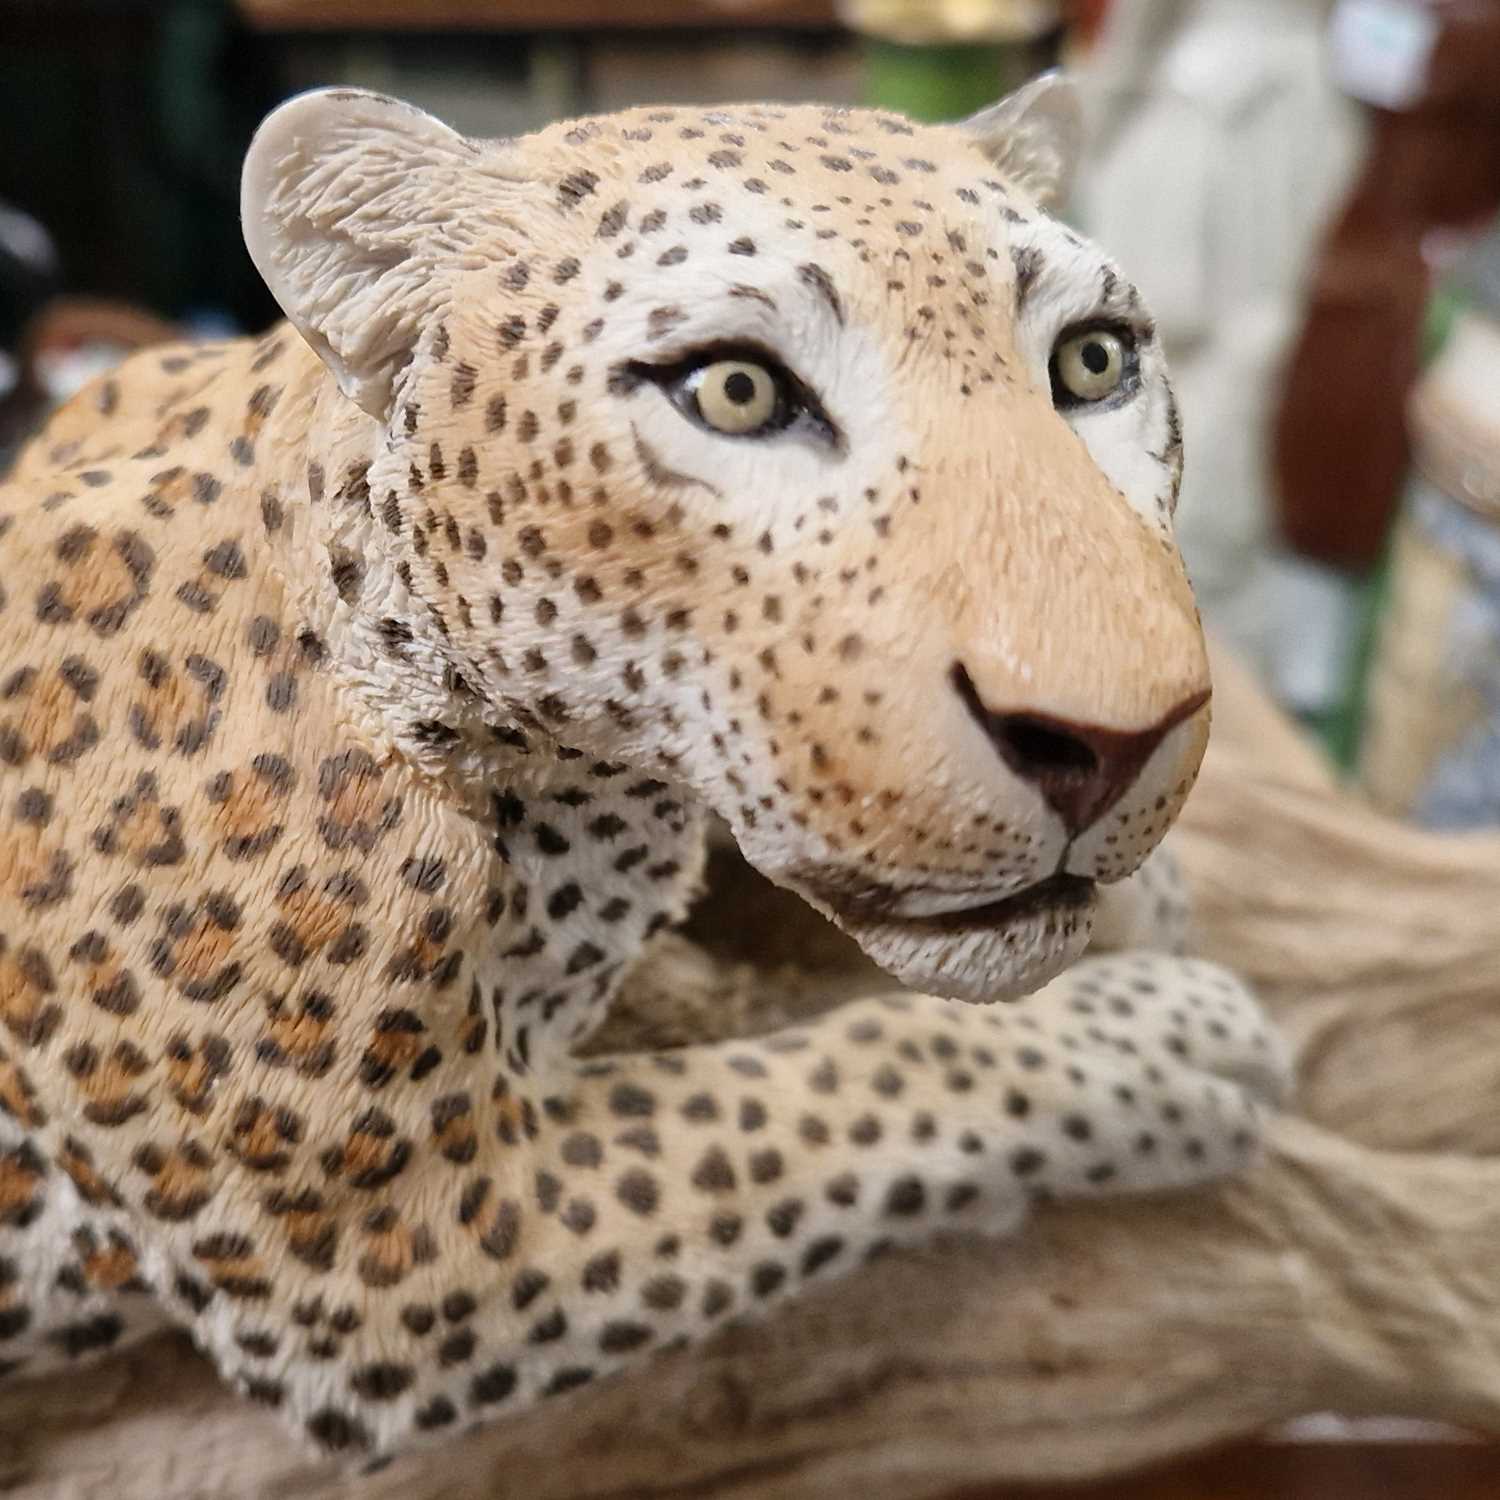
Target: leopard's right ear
x,y
1034,136
353,206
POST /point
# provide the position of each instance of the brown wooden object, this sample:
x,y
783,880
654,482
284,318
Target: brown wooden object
x,y
527,15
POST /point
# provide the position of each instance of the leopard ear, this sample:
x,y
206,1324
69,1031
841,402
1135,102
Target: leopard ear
x,y
348,202
1034,137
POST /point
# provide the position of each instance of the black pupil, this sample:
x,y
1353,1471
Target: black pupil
x,y
739,388
1095,358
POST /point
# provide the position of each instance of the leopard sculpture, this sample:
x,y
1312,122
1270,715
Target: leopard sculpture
x,y
363,684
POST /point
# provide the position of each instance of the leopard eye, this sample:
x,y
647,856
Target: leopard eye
x,y
736,397
1090,365
738,391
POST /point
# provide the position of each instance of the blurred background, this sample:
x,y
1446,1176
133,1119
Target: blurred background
x,y
1308,192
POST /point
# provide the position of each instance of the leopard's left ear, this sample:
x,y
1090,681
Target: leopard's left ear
x,y
354,206
1034,137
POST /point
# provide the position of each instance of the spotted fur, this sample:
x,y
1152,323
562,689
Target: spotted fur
x,y
361,691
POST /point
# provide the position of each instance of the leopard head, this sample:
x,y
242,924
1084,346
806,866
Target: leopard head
x,y
796,454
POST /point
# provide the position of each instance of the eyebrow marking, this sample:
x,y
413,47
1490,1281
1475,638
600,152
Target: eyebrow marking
x,y
1119,297
662,320
1028,263
753,294
822,283
658,473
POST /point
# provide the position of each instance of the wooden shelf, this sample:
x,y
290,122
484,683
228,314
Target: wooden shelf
x,y
529,15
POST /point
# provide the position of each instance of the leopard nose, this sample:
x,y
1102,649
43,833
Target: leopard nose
x,y
1081,770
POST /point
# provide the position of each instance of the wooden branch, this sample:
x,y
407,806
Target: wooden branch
x,y
1376,945
1104,1338
1355,1269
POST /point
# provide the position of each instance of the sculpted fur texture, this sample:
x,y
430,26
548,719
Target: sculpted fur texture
x,y
363,685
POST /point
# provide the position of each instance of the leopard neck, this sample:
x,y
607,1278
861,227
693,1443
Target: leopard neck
x,y
591,858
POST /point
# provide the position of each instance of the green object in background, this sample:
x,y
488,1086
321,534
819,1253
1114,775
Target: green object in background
x,y
943,82
1342,729
1442,313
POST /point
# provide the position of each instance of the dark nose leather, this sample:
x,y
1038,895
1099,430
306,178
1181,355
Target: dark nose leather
x,y
1081,770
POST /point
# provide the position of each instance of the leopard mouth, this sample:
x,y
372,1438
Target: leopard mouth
x,y
995,950
860,905
1055,895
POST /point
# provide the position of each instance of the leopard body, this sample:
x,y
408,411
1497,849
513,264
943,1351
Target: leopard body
x,y
361,692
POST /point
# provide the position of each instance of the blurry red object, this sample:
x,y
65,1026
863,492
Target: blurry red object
x,y
1087,17
1340,443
